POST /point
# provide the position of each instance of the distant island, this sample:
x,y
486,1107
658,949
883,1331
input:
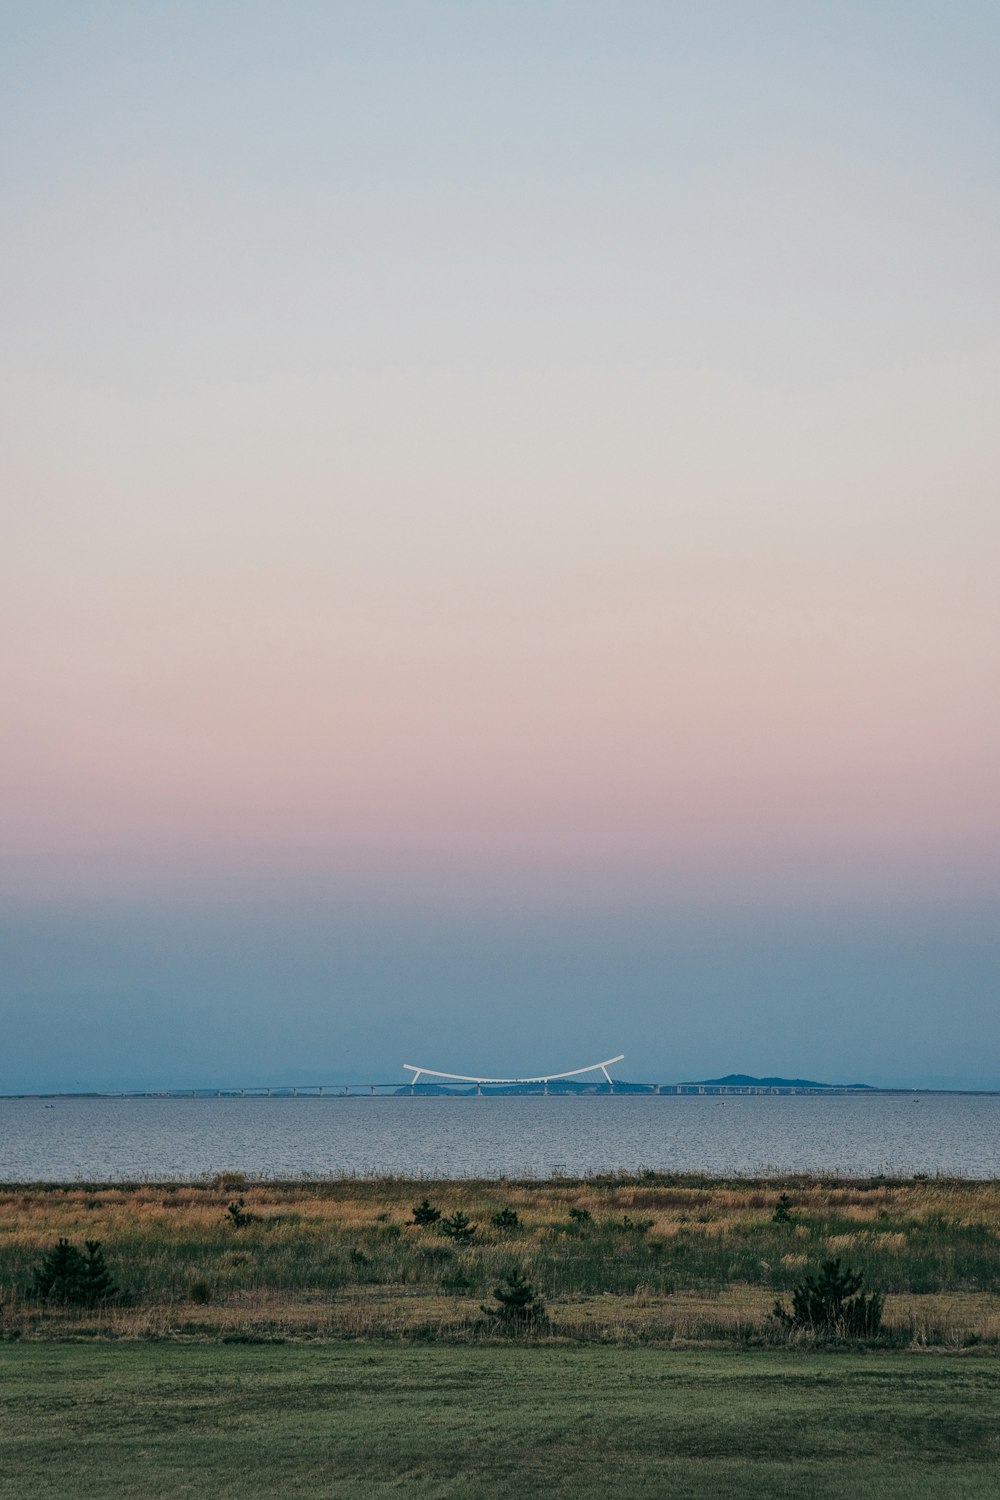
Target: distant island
x,y
746,1080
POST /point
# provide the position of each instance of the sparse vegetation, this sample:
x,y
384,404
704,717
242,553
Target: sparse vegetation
x,y
639,1226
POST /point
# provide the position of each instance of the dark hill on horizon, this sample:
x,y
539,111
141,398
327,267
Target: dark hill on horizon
x,y
746,1080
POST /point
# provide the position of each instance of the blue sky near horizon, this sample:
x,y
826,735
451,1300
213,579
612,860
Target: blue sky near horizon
x,y
500,539
175,996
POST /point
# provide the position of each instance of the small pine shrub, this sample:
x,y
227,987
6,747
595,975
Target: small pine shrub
x,y
200,1291
580,1215
506,1219
68,1277
59,1277
783,1211
833,1303
98,1286
458,1228
518,1305
238,1214
425,1214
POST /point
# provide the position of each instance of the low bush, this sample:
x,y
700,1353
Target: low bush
x,y
458,1227
506,1220
833,1303
783,1211
238,1214
518,1305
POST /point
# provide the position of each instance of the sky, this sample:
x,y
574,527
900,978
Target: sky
x,y
500,540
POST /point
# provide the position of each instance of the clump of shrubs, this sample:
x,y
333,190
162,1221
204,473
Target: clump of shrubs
x,y
74,1278
425,1214
580,1215
833,1303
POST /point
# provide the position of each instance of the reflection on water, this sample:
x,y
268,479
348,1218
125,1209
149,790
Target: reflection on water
x,y
115,1139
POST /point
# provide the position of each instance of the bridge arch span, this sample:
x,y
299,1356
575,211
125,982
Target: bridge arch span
x,y
546,1078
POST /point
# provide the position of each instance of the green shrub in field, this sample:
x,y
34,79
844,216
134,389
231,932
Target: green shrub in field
x,y
69,1277
458,1228
783,1211
506,1219
238,1214
425,1214
518,1305
98,1286
580,1215
833,1302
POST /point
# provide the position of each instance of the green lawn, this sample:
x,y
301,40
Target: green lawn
x,y
85,1420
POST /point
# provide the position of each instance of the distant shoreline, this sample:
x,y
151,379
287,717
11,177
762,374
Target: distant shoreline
x,y
434,1091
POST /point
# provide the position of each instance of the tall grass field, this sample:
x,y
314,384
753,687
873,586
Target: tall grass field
x,y
646,1259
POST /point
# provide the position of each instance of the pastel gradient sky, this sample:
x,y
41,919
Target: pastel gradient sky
x,y
501,539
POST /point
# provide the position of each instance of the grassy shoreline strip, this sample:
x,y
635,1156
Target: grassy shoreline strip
x,y
645,1258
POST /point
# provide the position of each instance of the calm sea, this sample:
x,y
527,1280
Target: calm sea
x,y
116,1140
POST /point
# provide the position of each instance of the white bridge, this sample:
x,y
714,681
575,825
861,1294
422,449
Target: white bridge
x,y
502,1082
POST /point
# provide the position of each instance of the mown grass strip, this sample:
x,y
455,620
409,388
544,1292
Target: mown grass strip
x,y
138,1420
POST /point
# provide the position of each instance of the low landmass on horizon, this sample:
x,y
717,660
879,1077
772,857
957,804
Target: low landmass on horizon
x,y
747,1080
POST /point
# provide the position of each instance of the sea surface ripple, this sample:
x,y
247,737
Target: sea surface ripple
x,y
158,1139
